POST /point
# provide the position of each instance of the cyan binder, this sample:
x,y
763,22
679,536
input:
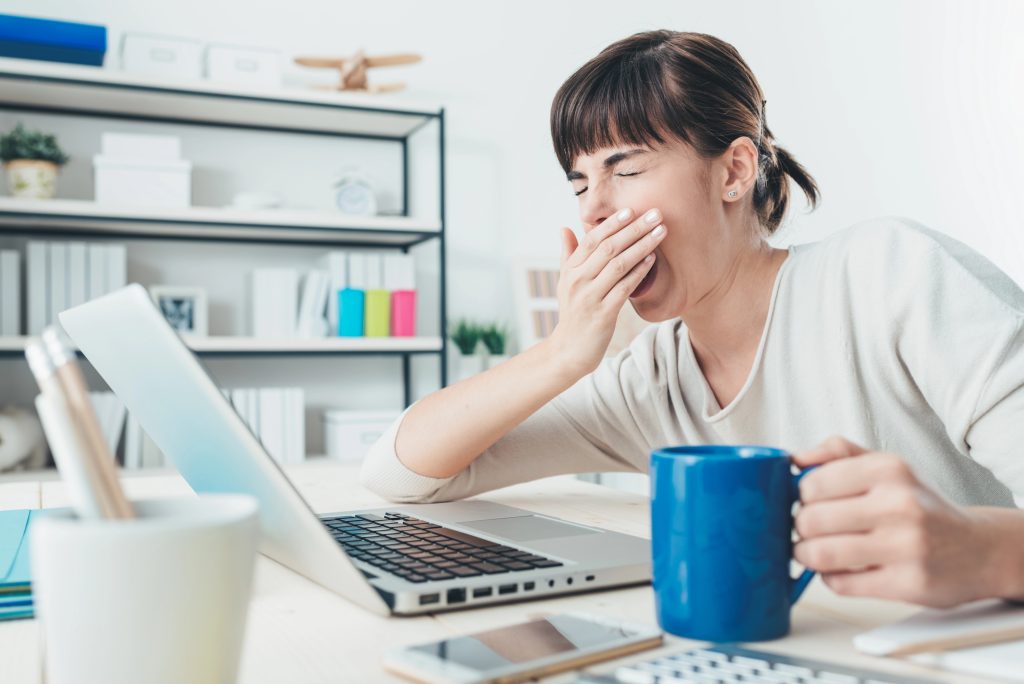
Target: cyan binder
x,y
15,575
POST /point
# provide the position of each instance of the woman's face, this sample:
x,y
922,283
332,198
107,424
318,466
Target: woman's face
x,y
699,247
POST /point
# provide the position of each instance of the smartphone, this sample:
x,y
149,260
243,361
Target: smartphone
x,y
518,652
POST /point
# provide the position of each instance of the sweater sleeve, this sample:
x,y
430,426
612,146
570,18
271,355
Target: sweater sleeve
x,y
960,333
591,427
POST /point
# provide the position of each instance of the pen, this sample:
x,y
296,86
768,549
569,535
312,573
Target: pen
x,y
76,393
70,451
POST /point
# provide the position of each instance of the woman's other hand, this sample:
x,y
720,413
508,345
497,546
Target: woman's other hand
x,y
596,278
871,528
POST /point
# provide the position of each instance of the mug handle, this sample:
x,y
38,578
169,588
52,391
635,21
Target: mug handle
x,y
799,583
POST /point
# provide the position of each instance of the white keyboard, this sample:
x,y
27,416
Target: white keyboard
x,y
730,664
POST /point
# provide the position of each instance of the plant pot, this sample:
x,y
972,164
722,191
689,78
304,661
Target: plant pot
x,y
31,178
468,365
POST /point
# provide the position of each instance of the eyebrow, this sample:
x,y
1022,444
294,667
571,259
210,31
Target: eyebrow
x,y
608,163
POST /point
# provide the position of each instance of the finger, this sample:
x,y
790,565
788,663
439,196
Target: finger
x,y
841,552
853,476
593,239
569,244
876,582
616,269
620,292
852,515
833,448
617,243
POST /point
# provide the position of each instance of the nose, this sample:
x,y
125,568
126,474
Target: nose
x,y
594,209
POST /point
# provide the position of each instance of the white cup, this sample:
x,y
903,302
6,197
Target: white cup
x,y
159,599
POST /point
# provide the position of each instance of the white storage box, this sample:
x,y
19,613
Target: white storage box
x,y
244,66
139,146
348,435
165,56
139,183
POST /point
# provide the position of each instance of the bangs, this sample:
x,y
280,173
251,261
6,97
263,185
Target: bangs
x,y
612,102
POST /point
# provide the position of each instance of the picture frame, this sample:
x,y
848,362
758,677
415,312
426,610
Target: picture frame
x,y
185,308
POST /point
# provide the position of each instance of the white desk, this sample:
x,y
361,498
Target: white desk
x,y
299,632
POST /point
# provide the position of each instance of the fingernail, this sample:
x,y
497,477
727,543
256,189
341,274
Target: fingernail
x,y
624,214
652,216
649,257
658,232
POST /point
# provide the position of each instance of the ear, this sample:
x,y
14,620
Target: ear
x,y
739,169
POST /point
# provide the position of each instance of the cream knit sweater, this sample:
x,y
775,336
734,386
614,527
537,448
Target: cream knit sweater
x,y
887,333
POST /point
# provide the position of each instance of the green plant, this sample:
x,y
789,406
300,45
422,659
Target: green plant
x,y
24,144
465,335
494,337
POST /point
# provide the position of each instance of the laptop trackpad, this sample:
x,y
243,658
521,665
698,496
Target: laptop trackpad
x,y
527,528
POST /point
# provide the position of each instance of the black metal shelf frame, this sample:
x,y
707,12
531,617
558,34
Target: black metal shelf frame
x,y
330,235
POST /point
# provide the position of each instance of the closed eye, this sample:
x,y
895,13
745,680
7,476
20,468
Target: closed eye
x,y
635,173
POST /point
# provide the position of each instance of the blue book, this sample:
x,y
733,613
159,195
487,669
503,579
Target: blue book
x,y
51,40
15,577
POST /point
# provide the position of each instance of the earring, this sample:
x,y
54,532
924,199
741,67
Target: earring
x,y
732,193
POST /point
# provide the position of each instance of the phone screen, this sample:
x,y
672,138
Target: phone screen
x,y
498,648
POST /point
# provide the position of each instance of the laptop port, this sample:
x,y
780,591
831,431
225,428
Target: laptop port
x,y
427,599
528,586
482,591
590,578
456,596
569,581
507,589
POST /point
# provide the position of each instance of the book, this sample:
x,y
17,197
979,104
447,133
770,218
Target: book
x,y
78,273
315,289
336,265
271,411
58,279
37,272
117,267
10,292
97,267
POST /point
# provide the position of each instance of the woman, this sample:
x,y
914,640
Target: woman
x,y
903,341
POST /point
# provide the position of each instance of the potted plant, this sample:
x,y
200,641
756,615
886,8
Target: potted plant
x,y
32,159
495,338
465,336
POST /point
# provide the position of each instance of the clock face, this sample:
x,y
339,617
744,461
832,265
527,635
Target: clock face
x,y
355,198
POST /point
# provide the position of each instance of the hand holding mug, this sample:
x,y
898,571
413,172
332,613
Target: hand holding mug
x,y
871,528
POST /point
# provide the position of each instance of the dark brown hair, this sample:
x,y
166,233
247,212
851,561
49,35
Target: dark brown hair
x,y
692,86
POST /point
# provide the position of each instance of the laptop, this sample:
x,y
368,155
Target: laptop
x,y
399,560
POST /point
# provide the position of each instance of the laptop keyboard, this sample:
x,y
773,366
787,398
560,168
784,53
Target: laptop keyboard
x,y
418,551
727,663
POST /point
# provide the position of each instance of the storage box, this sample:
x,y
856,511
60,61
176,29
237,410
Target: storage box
x,y
52,41
137,146
244,66
164,56
348,435
142,183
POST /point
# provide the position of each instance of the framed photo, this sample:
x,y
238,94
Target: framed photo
x,y
183,307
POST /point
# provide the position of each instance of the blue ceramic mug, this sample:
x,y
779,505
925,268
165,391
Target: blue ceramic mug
x,y
721,535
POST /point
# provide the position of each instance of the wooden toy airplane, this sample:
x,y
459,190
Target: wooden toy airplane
x,y
352,70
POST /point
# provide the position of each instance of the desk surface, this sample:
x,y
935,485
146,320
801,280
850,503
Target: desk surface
x,y
299,632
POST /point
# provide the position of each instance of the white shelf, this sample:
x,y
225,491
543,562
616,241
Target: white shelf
x,y
101,91
252,345
211,223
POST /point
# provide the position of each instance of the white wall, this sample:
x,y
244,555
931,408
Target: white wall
x,y
911,108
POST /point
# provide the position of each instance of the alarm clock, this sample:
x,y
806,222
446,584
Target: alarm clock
x,y
353,194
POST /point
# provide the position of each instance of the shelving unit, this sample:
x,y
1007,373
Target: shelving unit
x,y
47,88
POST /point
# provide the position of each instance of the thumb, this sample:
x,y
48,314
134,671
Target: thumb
x,y
831,449
569,244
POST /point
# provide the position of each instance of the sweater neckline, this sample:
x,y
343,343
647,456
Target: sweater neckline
x,y
710,402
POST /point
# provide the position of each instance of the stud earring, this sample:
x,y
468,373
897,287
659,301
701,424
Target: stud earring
x,y
732,193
